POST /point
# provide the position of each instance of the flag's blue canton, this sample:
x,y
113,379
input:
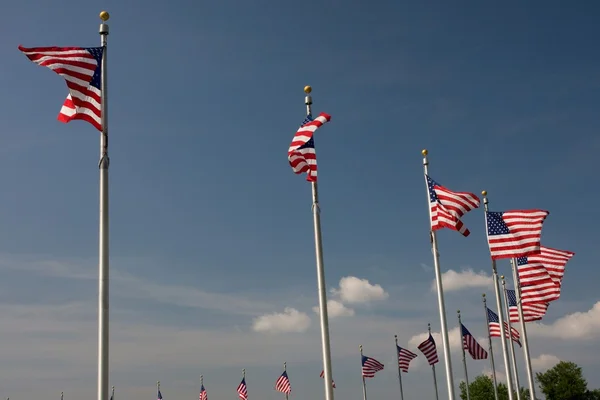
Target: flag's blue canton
x,y
430,338
496,225
512,298
465,331
310,143
159,395
432,195
97,53
492,317
522,260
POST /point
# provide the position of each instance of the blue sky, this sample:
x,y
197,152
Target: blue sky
x,y
210,229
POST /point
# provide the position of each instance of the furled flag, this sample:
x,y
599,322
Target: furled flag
x,y
447,207
203,395
159,396
283,384
494,326
370,366
81,68
516,233
471,345
404,358
429,350
301,154
243,390
323,376
537,285
531,311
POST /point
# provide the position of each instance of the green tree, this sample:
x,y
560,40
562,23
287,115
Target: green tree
x,y
482,388
564,381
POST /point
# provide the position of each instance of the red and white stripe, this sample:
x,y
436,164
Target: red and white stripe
x,y
495,331
323,376
404,358
450,207
305,159
77,66
531,312
429,350
553,260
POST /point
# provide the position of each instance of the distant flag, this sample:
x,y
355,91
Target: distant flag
x,y
243,390
531,311
404,358
159,396
81,68
203,395
471,345
429,350
301,154
283,384
447,207
323,376
516,233
494,327
370,367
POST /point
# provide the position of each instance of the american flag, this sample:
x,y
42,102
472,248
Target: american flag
x,y
429,350
203,395
470,344
537,286
447,207
531,311
80,66
283,384
494,326
553,261
301,154
370,366
404,358
243,390
159,396
514,233
323,376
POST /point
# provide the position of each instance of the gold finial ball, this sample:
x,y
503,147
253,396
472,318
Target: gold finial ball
x,y
307,89
484,192
458,311
424,152
104,16
483,295
501,276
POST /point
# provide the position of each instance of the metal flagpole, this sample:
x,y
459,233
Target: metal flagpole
x,y
440,290
399,371
285,369
510,340
112,393
487,327
361,374
323,314
61,395
437,397
463,354
158,386
103,264
523,329
509,382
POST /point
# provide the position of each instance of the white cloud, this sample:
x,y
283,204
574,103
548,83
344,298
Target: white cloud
x,y
465,279
544,361
336,309
500,374
578,325
290,320
354,290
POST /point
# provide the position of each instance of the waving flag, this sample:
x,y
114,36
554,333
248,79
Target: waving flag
x,y
429,350
323,376
404,358
370,366
513,234
471,345
537,286
283,384
494,327
81,69
301,154
531,311
447,207
242,390
203,395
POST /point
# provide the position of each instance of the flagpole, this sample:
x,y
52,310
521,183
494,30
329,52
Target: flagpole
x,y
399,371
323,314
509,382
464,358
487,327
361,374
440,289
510,340
103,262
285,370
437,397
112,393
157,386
523,328
61,395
